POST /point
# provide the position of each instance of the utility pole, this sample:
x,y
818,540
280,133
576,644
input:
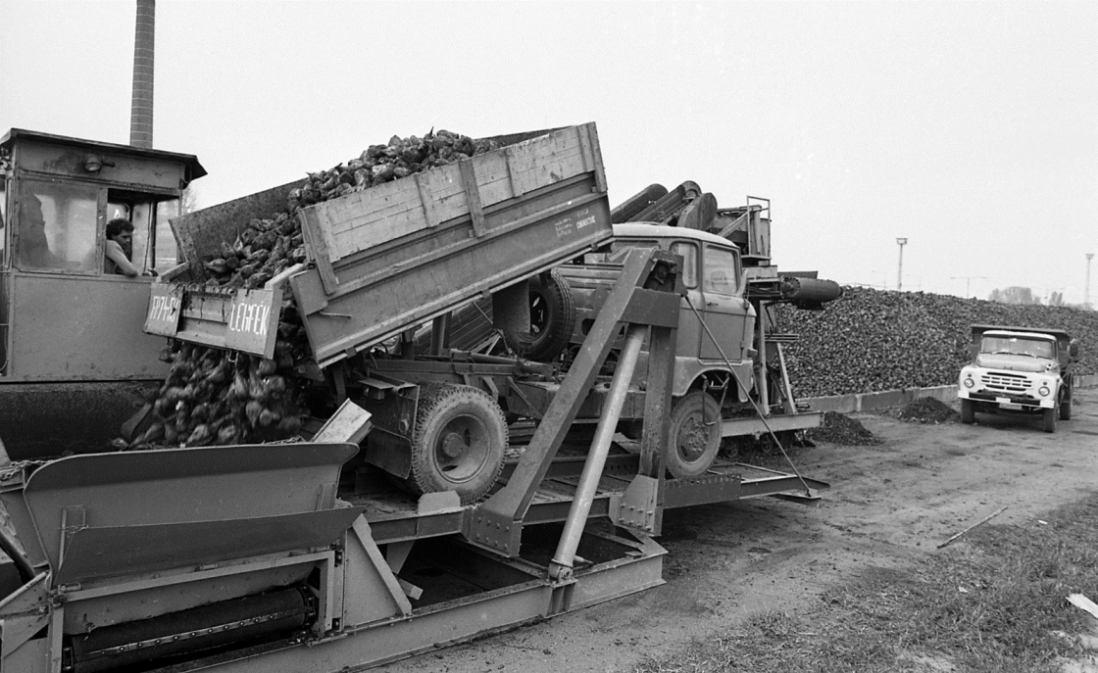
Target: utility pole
x,y
1086,290
968,282
900,271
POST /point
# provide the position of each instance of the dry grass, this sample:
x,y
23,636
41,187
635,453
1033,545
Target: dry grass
x,y
990,602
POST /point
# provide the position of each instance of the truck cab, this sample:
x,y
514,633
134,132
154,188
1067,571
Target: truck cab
x,y
1016,369
65,323
715,284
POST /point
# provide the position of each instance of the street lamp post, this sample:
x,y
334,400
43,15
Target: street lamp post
x,y
1086,290
900,271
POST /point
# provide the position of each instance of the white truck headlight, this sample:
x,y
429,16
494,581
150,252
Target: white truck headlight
x,y
1043,391
969,383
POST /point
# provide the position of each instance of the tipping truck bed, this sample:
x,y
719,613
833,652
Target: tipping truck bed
x,y
390,257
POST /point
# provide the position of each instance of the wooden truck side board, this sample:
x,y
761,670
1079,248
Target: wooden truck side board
x,y
397,255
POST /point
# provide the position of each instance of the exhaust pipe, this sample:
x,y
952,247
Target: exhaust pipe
x,y
141,106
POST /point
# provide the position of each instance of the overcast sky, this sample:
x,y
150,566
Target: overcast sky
x,y
969,128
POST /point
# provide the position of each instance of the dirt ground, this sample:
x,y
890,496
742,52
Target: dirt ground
x,y
888,504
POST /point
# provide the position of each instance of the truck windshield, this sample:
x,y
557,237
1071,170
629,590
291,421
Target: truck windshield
x,y
1033,348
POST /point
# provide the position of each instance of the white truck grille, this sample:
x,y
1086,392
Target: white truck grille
x,y
1010,383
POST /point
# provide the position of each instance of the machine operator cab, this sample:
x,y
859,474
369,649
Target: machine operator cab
x,y
63,317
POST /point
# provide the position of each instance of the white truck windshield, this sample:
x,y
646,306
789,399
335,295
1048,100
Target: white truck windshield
x,y
1034,348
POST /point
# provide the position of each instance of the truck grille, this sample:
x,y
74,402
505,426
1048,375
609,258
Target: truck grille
x,y
1009,383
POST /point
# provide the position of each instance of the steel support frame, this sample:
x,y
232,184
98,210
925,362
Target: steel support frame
x,y
639,567
496,524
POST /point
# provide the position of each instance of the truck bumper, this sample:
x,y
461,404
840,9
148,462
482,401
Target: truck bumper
x,y
1007,401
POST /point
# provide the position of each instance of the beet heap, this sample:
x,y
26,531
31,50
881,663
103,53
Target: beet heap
x,y
872,340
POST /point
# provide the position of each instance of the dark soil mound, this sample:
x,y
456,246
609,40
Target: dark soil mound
x,y
928,410
840,429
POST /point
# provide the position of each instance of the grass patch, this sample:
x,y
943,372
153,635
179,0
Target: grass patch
x,y
990,602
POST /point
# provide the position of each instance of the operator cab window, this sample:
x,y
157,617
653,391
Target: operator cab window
x,y
689,253
57,227
154,244
721,270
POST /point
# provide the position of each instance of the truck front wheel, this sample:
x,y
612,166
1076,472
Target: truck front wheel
x,y
694,437
1065,406
1048,417
459,441
968,411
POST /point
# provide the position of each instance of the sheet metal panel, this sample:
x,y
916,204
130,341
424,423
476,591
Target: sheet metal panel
x,y
81,328
236,318
173,486
96,553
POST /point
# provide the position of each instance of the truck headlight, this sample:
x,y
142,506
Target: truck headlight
x,y
1043,391
969,383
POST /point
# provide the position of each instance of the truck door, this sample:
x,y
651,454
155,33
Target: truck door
x,y
724,309
690,333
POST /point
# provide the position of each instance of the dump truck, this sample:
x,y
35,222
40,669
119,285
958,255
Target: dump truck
x,y
300,554
1021,370
730,378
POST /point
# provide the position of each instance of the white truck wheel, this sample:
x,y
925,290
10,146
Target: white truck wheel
x,y
1048,417
968,412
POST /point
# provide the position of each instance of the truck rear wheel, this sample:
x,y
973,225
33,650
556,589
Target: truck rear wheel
x,y
459,441
694,437
552,319
968,411
1048,417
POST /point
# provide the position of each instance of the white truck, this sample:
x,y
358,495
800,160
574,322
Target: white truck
x,y
1018,369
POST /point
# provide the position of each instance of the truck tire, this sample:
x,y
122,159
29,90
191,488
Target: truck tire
x,y
552,319
1065,406
968,412
1048,418
694,436
459,441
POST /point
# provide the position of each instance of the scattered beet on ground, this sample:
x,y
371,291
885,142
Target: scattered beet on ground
x,y
928,410
841,429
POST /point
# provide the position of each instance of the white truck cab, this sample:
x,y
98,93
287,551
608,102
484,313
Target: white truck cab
x,y
1016,369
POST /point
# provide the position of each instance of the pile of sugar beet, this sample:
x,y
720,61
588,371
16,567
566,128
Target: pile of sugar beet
x,y
215,397
873,340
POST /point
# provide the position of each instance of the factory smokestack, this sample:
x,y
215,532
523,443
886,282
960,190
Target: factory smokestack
x,y
141,107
